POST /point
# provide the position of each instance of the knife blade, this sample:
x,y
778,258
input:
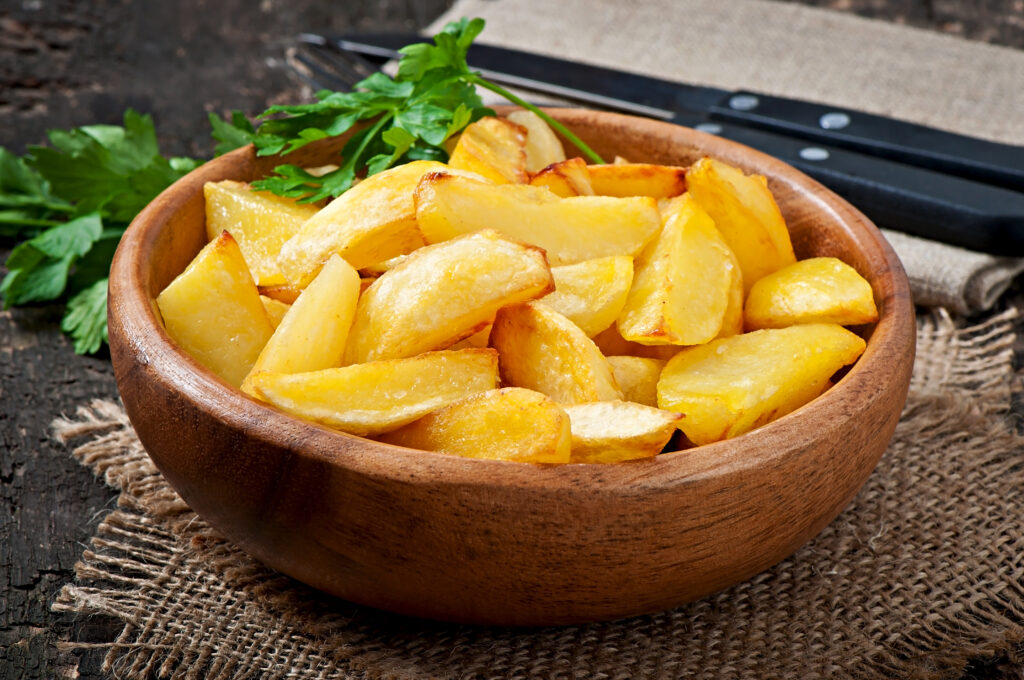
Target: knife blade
x,y
933,203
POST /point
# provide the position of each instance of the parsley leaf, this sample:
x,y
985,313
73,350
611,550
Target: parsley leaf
x,y
232,135
109,169
26,204
38,269
86,318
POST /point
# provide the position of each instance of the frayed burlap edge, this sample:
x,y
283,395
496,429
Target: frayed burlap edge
x,y
920,575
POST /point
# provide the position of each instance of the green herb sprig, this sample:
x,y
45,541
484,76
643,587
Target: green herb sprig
x,y
69,203
409,117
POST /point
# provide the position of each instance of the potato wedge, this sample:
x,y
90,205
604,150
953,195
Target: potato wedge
x,y
380,396
313,333
637,377
819,289
569,229
683,282
611,343
260,223
745,211
542,145
565,178
732,385
637,179
592,293
732,319
373,221
542,350
213,311
494,148
616,431
375,270
275,309
443,293
285,293
508,424
479,339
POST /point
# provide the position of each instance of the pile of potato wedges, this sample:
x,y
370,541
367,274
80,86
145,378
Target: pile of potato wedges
x,y
514,304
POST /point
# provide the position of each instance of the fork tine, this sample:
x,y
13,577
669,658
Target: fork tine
x,y
357,62
313,72
326,66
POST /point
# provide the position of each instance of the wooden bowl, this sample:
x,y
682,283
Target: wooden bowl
x,y
492,542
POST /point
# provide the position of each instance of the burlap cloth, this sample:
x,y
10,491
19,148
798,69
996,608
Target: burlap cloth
x,y
921,574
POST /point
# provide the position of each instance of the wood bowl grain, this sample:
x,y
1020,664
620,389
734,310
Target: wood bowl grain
x,y
490,542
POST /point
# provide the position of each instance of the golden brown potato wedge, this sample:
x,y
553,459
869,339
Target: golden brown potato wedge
x,y
260,223
637,377
373,221
569,229
286,294
565,178
683,282
733,385
443,293
611,343
275,309
313,333
819,289
213,311
637,179
508,424
592,293
380,396
542,145
542,350
745,211
616,431
494,148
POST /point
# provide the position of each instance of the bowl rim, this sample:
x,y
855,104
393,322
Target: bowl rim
x,y
137,314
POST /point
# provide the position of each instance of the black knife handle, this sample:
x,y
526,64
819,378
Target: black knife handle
x,y
901,197
926,147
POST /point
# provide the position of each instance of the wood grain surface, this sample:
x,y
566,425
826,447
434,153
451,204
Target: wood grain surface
x,y
74,63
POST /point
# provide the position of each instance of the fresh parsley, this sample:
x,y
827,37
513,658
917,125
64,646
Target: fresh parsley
x,y
409,117
69,203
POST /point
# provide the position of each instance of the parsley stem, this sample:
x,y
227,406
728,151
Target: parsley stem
x,y
476,79
30,221
58,207
371,134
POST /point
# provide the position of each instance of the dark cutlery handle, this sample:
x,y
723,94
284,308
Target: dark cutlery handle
x,y
968,157
898,196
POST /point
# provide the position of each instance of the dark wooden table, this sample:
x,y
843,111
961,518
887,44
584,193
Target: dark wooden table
x,y
76,63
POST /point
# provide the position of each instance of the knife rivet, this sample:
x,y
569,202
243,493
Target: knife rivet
x,y
710,128
743,102
836,120
813,153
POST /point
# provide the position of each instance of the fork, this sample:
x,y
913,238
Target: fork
x,y
325,68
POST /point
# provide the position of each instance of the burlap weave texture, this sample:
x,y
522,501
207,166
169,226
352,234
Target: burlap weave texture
x,y
923,572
